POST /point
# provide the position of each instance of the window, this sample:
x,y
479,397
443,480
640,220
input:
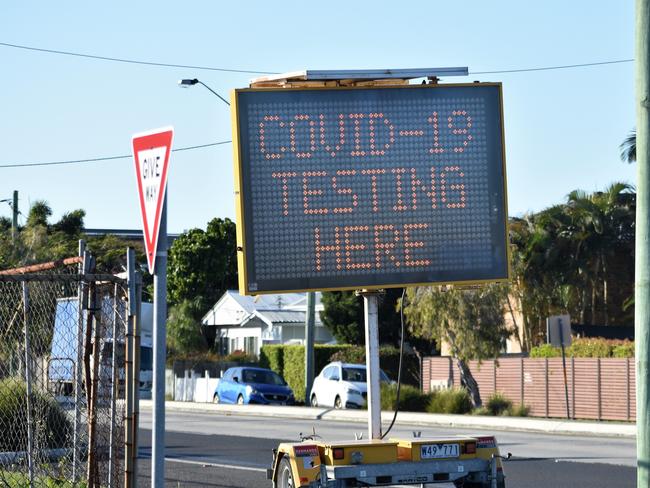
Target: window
x,y
354,374
250,345
262,377
329,372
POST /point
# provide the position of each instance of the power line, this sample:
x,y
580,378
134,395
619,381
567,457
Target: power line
x,y
231,70
107,158
548,68
132,61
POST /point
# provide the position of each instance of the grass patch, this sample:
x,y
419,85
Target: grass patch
x,y
454,401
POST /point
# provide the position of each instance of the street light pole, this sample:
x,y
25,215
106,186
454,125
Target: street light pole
x,y
185,83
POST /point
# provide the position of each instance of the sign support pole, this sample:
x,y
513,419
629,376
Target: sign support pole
x,y
159,352
566,385
370,306
309,344
642,253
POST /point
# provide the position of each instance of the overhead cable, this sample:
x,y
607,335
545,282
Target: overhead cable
x,y
132,61
107,158
233,70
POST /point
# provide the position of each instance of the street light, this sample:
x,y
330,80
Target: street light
x,y
186,83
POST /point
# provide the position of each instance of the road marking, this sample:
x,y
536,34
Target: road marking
x,y
216,465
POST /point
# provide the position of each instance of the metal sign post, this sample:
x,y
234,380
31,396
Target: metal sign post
x,y
558,330
159,350
309,344
151,152
372,363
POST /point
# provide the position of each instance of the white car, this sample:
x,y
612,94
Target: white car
x,y
341,385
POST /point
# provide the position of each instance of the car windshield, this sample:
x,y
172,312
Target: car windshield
x,y
359,375
262,377
354,374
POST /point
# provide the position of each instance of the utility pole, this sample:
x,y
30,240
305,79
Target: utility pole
x,y
14,220
642,265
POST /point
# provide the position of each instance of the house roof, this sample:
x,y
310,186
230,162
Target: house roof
x,y
282,308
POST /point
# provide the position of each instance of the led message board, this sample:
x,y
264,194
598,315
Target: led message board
x,y
347,188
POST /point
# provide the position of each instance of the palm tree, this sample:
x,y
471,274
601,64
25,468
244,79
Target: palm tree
x,y
602,221
628,148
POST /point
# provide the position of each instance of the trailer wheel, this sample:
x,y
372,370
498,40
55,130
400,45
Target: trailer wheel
x,y
285,477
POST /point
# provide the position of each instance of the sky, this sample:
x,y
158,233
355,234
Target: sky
x,y
563,127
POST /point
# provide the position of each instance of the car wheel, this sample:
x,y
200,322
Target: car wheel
x,y
215,398
240,400
337,403
285,477
314,401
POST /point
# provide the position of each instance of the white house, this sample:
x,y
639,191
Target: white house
x,y
246,323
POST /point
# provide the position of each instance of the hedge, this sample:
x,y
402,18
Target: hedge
x,y
289,362
587,348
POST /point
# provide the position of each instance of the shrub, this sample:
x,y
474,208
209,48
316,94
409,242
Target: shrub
x,y
587,347
271,357
545,351
53,428
590,348
455,400
624,349
498,404
240,357
520,410
411,399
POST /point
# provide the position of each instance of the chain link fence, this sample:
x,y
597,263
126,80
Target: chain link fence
x,y
62,376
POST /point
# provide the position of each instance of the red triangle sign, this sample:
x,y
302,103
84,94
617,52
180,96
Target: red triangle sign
x,y
151,151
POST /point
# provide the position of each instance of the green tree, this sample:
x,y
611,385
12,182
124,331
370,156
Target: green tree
x,y
470,321
343,316
72,223
39,213
628,148
203,264
184,330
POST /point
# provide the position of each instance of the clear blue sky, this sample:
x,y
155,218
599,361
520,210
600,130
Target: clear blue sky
x,y
563,127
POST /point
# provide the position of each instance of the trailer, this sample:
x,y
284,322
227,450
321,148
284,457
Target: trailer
x,y
469,462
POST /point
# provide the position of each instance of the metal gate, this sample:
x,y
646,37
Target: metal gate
x,y
64,381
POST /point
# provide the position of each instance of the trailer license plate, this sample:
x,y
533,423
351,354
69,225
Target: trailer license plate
x,y
433,451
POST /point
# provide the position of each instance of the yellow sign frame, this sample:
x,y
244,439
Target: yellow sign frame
x,y
239,199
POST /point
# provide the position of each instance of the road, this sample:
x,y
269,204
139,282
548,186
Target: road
x,y
220,450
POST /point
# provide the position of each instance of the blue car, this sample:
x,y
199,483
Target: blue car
x,y
243,385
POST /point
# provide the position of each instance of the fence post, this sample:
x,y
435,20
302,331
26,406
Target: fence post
x,y
114,380
137,327
207,386
546,386
94,322
129,384
78,371
628,388
28,382
521,381
573,387
600,396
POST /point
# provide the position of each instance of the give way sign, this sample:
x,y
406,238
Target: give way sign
x,y
151,156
